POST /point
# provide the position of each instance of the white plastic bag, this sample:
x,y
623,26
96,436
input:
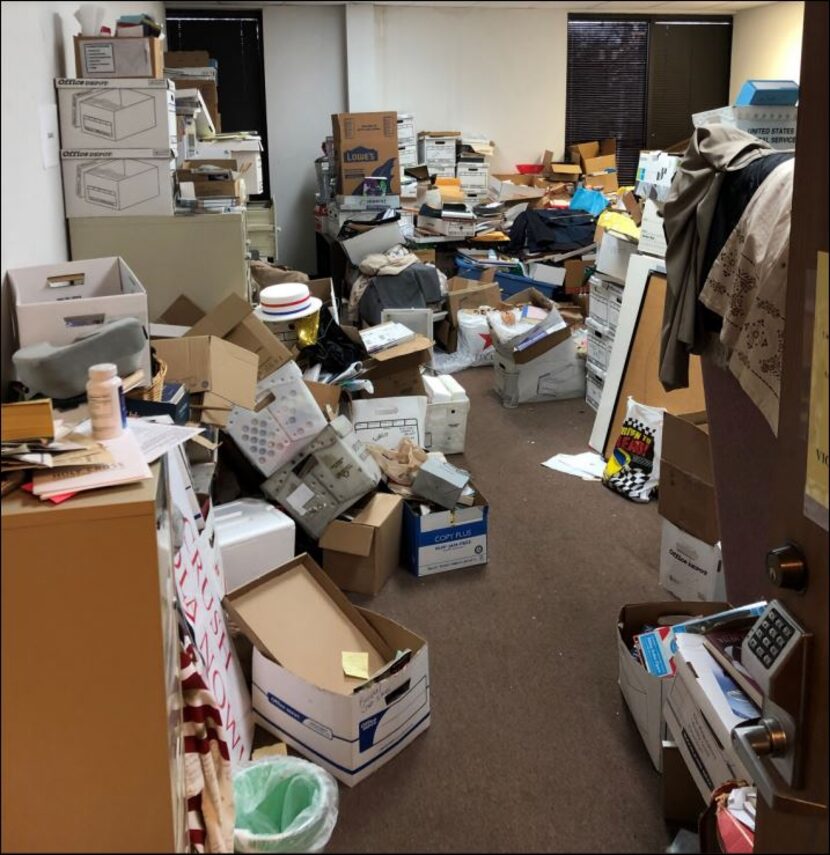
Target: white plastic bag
x,y
474,337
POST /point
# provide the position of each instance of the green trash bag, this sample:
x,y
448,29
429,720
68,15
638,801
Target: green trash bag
x,y
283,804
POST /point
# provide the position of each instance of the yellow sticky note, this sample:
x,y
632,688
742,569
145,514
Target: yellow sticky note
x,y
356,664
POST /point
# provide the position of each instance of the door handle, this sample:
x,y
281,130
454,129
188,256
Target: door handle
x,y
787,568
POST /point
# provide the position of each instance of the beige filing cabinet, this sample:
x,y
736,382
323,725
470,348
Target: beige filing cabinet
x,y
92,748
200,256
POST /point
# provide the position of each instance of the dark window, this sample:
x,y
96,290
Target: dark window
x,y
640,78
234,40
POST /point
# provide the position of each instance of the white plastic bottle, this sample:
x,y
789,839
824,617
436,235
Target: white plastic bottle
x,y
105,398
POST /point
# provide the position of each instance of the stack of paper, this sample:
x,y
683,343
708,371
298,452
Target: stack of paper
x,y
588,465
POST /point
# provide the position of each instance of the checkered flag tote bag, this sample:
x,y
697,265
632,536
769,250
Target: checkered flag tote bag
x,y
633,467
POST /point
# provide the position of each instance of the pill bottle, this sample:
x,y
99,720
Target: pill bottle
x,y
105,397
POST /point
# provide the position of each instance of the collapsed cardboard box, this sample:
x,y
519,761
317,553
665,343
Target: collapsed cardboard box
x,y
366,145
220,374
362,551
300,624
326,478
504,187
397,370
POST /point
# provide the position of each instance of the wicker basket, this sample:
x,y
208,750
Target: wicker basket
x,y
154,390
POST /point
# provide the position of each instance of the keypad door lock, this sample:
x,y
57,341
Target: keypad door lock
x,y
786,567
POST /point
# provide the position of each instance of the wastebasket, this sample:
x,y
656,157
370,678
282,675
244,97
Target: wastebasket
x,y
283,804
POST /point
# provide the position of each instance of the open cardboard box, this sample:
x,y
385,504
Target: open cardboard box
x,y
595,156
567,172
471,293
300,623
397,370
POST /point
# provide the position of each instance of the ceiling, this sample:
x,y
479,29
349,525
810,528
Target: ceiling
x,y
652,7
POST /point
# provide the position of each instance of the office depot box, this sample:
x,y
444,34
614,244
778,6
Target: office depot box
x,y
246,152
445,540
687,482
689,568
108,56
613,256
773,125
300,624
366,144
397,370
221,373
62,303
702,709
644,693
362,550
134,113
652,236
447,410
252,537
117,182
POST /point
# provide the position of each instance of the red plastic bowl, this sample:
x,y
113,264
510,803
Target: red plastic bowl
x,y
529,168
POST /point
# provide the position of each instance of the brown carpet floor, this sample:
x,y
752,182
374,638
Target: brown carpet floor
x,y
531,748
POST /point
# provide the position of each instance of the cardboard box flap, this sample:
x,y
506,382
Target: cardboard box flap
x,y
349,537
416,345
686,445
296,616
181,312
378,509
223,318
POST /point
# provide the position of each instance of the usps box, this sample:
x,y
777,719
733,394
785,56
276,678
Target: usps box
x,y
300,623
773,125
447,410
129,112
690,568
62,303
118,182
445,540
643,692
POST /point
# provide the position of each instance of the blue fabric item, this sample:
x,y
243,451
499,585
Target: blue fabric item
x,y
591,201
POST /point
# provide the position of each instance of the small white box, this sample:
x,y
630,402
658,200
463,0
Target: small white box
x,y
689,568
594,381
447,411
652,237
613,256
129,112
445,540
252,537
773,125
113,182
62,303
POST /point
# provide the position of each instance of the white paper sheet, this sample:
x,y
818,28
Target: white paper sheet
x,y
588,465
157,438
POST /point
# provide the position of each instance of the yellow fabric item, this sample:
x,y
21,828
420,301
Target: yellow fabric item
x,y
619,222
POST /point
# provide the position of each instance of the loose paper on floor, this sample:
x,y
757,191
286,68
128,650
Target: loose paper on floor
x,y
588,465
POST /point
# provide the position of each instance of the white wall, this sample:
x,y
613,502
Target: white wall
x,y
36,48
305,82
766,44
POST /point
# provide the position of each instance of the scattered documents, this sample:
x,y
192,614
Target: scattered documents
x,y
356,664
588,465
157,437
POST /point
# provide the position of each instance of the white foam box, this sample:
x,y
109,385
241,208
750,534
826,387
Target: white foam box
x,y
326,478
62,303
773,125
613,256
247,154
252,536
118,182
129,112
690,568
652,237
594,381
285,420
445,540
299,623
447,410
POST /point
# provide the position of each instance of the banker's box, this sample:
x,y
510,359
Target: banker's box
x,y
300,623
111,56
445,540
62,303
131,112
118,182
366,144
689,568
644,693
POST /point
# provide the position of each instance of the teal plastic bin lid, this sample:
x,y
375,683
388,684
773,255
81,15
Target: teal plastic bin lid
x,y
768,93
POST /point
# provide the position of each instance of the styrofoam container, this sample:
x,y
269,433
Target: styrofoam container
x,y
447,410
253,537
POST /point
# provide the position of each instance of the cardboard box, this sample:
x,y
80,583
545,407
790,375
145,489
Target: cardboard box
x,y
366,144
210,187
687,481
689,568
567,172
234,320
247,154
556,374
327,477
652,236
378,239
209,92
516,187
682,804
449,227
109,56
575,271
437,148
186,59
131,112
633,206
388,421
606,182
447,410
701,719
655,171
397,370
117,182
594,156
470,294
643,693
360,553
300,623
62,303
773,125
445,540
613,256
326,394
224,374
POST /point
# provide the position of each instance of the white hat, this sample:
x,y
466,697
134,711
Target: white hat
x,y
286,302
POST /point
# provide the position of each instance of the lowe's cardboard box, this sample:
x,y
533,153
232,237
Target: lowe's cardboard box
x,y
300,625
115,182
643,692
366,144
445,540
62,303
129,112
